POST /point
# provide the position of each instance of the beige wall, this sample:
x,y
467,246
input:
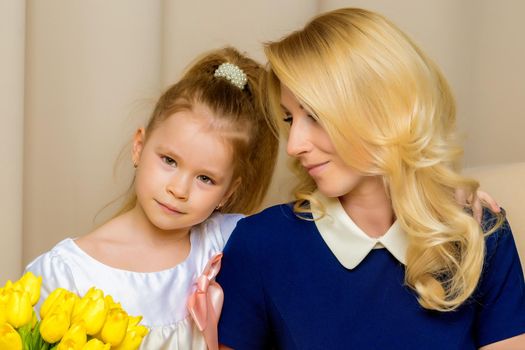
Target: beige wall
x,y
93,70
92,67
12,33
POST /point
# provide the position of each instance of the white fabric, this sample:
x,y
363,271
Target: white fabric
x,y
347,241
160,297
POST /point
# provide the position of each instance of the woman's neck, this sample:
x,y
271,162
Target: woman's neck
x,y
369,206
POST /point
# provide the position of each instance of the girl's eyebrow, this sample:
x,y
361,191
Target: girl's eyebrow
x,y
214,174
168,150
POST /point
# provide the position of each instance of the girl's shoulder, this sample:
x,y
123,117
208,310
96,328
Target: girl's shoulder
x,y
59,254
217,229
56,266
62,258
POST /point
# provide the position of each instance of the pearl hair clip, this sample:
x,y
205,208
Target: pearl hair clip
x,y
234,74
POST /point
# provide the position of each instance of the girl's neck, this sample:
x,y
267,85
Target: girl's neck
x,y
369,206
147,233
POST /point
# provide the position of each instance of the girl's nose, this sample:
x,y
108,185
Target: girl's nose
x,y
179,186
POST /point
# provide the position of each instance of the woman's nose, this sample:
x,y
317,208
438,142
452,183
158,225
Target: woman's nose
x,y
298,138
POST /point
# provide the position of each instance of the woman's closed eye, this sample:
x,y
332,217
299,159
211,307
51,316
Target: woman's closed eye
x,y
288,119
169,161
313,117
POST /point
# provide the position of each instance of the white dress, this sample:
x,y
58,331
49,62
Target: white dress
x,y
160,297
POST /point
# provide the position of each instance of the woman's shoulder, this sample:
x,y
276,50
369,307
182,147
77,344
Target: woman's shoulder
x,y
498,231
501,254
271,216
271,228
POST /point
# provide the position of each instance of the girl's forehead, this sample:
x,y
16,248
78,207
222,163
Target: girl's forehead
x,y
188,125
188,137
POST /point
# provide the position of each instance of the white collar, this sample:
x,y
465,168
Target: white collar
x,y
347,241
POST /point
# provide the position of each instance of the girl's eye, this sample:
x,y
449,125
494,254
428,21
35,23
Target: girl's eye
x,y
288,119
206,179
169,161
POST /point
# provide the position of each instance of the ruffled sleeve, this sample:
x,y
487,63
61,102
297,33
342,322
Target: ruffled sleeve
x,y
55,274
227,223
217,230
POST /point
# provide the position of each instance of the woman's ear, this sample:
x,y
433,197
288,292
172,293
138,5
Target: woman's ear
x,y
138,145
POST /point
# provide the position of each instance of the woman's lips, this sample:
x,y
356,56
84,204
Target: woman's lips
x,y
315,169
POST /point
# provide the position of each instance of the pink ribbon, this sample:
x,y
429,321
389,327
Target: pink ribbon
x,y
205,303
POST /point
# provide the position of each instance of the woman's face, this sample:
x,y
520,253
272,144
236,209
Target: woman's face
x,y
311,145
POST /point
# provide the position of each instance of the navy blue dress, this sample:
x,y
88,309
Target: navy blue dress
x,y
285,289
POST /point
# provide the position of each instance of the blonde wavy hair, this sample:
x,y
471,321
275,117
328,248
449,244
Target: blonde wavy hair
x,y
389,112
240,115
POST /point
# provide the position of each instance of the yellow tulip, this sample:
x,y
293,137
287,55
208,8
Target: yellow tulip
x,y
65,303
54,326
74,339
68,345
3,313
133,321
115,327
31,284
8,285
132,339
95,344
57,295
91,312
111,303
5,294
9,338
19,310
94,293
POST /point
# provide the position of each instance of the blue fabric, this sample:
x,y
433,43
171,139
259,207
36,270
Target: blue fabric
x,y
284,289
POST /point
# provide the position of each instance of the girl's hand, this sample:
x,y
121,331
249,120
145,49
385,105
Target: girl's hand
x,y
477,201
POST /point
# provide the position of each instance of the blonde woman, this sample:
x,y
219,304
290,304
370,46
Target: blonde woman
x,y
375,253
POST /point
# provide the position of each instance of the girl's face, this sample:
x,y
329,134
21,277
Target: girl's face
x,y
184,171
311,145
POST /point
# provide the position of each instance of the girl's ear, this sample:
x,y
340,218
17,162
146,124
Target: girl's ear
x,y
138,145
233,187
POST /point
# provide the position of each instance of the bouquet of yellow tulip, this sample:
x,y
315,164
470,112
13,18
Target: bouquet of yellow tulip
x,y
67,321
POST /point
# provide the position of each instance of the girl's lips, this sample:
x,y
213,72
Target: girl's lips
x,y
169,209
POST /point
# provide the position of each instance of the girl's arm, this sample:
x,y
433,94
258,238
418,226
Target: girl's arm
x,y
477,201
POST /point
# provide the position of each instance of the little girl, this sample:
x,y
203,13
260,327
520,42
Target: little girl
x,y
206,152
